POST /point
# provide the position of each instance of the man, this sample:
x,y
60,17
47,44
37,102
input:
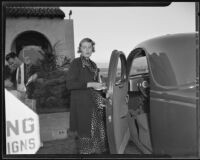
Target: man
x,y
8,81
18,65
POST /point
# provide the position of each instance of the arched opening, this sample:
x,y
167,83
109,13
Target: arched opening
x,y
49,92
31,38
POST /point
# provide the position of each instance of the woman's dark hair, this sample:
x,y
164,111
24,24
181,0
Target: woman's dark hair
x,y
10,55
86,40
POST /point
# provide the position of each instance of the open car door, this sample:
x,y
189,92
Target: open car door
x,y
117,110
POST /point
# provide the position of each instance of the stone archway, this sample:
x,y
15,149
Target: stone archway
x,y
31,38
35,43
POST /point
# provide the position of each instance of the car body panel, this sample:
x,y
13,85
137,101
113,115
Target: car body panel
x,y
171,59
173,125
117,109
173,111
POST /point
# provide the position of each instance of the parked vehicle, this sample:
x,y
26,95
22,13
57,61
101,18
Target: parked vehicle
x,y
155,105
152,101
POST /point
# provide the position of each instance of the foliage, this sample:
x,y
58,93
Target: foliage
x,y
50,90
53,61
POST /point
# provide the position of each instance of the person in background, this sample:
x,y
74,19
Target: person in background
x,y
87,114
8,80
17,64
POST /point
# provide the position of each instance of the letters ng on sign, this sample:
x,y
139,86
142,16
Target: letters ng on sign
x,y
22,127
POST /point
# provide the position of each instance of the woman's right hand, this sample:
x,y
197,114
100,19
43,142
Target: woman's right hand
x,y
95,85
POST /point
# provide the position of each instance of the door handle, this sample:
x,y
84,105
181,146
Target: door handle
x,y
127,99
122,117
119,84
125,108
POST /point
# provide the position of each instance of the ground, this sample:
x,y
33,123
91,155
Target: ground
x,y
67,146
63,146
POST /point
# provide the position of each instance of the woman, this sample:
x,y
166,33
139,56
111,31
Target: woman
x,y
87,106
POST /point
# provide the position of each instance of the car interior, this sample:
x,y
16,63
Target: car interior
x,y
139,108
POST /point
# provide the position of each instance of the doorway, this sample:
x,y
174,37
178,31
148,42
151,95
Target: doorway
x,y
31,38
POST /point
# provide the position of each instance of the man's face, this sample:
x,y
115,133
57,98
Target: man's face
x,y
13,63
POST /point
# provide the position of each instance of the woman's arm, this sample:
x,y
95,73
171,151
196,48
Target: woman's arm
x,y
73,82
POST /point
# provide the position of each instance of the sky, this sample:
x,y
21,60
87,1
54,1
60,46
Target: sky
x,y
122,28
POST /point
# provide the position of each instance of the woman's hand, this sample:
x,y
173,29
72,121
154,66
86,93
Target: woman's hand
x,y
95,85
34,77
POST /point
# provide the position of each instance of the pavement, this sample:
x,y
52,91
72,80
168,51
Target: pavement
x,y
63,146
131,148
68,146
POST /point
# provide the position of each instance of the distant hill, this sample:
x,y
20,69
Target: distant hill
x,y
102,65
139,66
137,62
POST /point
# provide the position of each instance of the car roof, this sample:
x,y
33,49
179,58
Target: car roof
x,y
170,53
165,39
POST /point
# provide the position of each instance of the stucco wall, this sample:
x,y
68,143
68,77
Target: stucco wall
x,y
57,31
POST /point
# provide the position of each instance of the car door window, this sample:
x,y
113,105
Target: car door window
x,y
118,73
139,66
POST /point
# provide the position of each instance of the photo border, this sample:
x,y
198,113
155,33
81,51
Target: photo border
x,y
89,4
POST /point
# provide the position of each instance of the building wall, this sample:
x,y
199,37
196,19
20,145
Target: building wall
x,y
59,32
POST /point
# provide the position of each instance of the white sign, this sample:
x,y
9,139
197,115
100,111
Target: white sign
x,y
22,127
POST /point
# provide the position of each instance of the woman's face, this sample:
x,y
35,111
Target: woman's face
x,y
86,49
